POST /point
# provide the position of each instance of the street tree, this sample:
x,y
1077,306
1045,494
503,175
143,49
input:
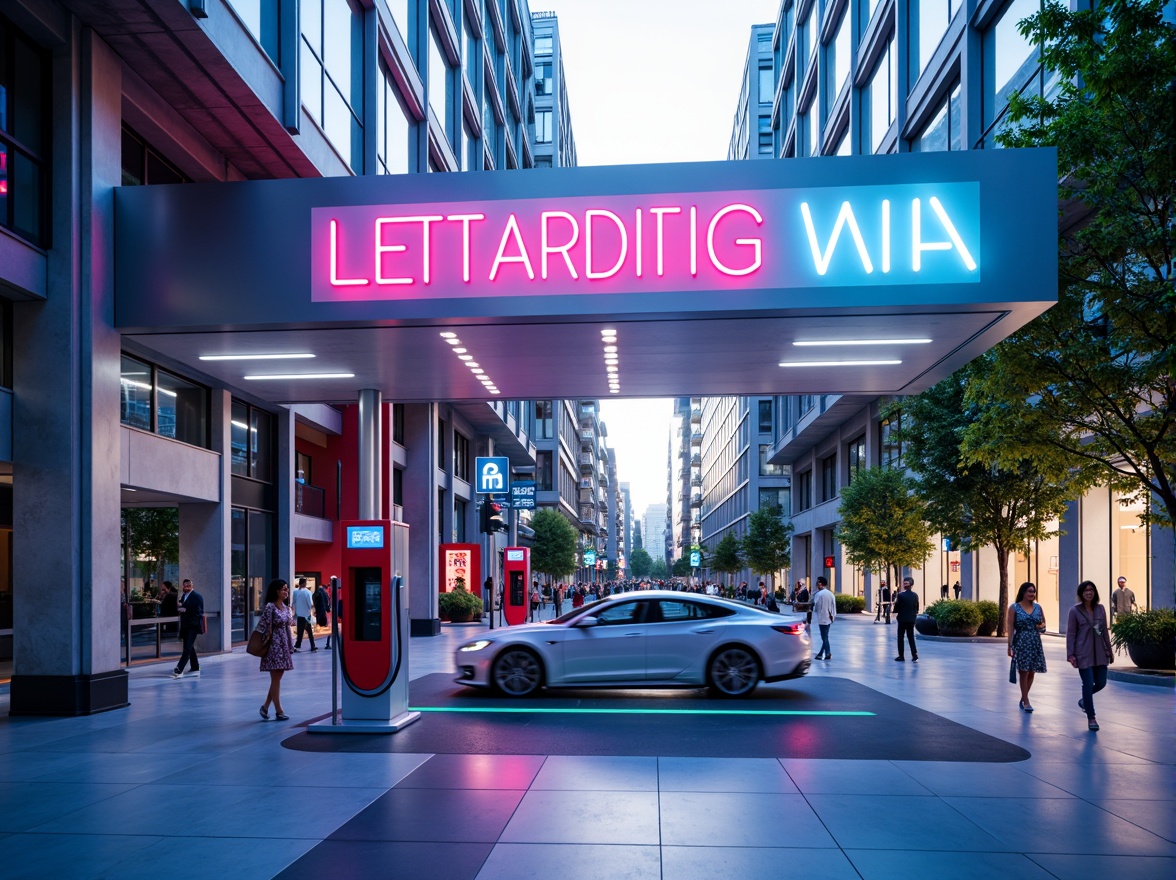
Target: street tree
x,y
681,567
1092,377
727,558
658,570
154,535
883,524
767,546
640,563
553,549
1008,504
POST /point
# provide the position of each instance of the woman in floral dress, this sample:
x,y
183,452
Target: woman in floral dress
x,y
275,621
1026,623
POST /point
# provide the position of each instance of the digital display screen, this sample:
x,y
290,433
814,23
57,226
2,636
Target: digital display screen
x,y
365,537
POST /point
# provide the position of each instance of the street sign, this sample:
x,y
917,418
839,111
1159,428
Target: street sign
x,y
491,474
695,559
829,561
589,558
522,495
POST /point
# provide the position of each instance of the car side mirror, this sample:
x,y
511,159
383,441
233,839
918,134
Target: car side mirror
x,y
587,621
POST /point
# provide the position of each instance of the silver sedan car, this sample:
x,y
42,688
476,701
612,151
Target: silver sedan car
x,y
653,638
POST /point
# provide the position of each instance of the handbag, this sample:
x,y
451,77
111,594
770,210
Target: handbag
x,y
1012,670
259,644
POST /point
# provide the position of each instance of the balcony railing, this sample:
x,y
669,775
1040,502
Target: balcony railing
x,y
696,416
696,438
587,463
309,500
696,501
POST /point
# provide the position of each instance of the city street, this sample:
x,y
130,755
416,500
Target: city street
x,y
190,782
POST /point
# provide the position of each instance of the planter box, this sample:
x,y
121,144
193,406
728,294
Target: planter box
x,y
1153,656
963,631
926,626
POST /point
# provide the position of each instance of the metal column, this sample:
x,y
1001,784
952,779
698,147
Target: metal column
x,y
370,457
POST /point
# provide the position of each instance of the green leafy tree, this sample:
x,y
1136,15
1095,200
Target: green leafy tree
x,y
640,563
658,570
681,567
154,534
636,537
727,558
767,546
883,524
1092,377
553,550
1009,505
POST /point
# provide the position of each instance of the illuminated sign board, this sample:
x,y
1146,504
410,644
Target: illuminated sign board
x,y
365,537
522,495
925,233
457,565
589,557
515,556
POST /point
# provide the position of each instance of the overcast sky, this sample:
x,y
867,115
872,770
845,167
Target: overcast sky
x,y
652,81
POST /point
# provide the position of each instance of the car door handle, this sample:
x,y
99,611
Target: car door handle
x,y
703,632
631,635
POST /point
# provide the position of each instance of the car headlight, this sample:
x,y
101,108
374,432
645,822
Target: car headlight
x,y
476,646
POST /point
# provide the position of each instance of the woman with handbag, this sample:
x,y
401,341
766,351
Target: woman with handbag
x,y
1025,624
274,625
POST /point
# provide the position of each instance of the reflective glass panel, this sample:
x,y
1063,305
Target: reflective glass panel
x,y
239,439
183,410
135,393
1009,59
261,446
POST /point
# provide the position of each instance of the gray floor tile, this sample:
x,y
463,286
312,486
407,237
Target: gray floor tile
x,y
597,773
240,858
25,805
1060,825
851,777
903,864
753,863
739,819
543,861
1158,817
1102,867
38,856
979,780
724,774
901,823
621,817
1098,781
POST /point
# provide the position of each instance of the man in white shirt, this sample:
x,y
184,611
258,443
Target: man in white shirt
x,y
1122,600
825,612
303,601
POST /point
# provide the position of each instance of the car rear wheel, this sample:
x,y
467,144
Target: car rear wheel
x,y
733,672
517,673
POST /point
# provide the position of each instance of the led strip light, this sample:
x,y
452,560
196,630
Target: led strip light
x,y
468,360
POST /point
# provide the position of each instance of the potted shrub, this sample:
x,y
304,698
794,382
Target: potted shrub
x,y
925,624
957,617
991,612
849,604
459,605
1148,636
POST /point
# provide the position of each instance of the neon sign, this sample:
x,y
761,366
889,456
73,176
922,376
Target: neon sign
x,y
731,241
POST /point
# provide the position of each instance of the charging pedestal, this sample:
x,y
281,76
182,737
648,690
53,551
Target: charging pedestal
x,y
516,577
371,639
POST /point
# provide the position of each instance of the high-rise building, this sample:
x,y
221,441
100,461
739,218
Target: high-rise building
x,y
555,145
653,531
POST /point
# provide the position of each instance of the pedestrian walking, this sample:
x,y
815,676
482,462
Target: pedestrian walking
x,y
322,607
1026,623
1122,600
169,606
883,612
955,588
802,602
276,618
825,609
943,591
304,611
1088,647
906,609
190,607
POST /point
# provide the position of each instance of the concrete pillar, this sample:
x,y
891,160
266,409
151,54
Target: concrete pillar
x,y
204,558
284,511
420,505
67,443
370,458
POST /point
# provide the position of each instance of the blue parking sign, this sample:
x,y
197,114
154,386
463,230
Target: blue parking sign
x,y
491,475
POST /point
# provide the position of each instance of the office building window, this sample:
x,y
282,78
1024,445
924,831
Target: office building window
x,y
441,443
158,401
804,490
24,136
142,165
856,458
837,61
543,481
544,427
332,73
394,128
807,40
765,416
543,78
1009,61
807,402
767,85
889,446
461,456
398,423
866,9
543,127
398,486
260,18
943,132
440,84
829,478
767,469
251,438
776,498
542,43
880,100
927,22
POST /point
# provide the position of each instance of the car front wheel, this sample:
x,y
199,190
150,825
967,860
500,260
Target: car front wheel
x,y
733,672
517,673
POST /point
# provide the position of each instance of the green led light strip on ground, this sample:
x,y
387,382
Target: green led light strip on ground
x,y
532,711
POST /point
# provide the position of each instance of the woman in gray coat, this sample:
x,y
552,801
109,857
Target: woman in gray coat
x,y
1088,646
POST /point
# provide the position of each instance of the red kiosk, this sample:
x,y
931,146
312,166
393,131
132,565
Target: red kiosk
x,y
516,578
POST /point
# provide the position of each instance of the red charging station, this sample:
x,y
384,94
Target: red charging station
x,y
373,627
516,578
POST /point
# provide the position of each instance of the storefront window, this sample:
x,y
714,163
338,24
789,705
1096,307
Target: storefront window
x,y
183,410
251,442
1129,550
251,567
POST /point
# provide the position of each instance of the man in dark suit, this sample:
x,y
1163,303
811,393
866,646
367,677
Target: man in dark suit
x,y
191,610
906,606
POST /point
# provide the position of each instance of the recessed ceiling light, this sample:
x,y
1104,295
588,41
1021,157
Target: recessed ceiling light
x,y
464,357
611,360
453,341
296,376
472,364
477,372
838,363
257,357
816,342
447,335
460,350
495,391
614,391
610,349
